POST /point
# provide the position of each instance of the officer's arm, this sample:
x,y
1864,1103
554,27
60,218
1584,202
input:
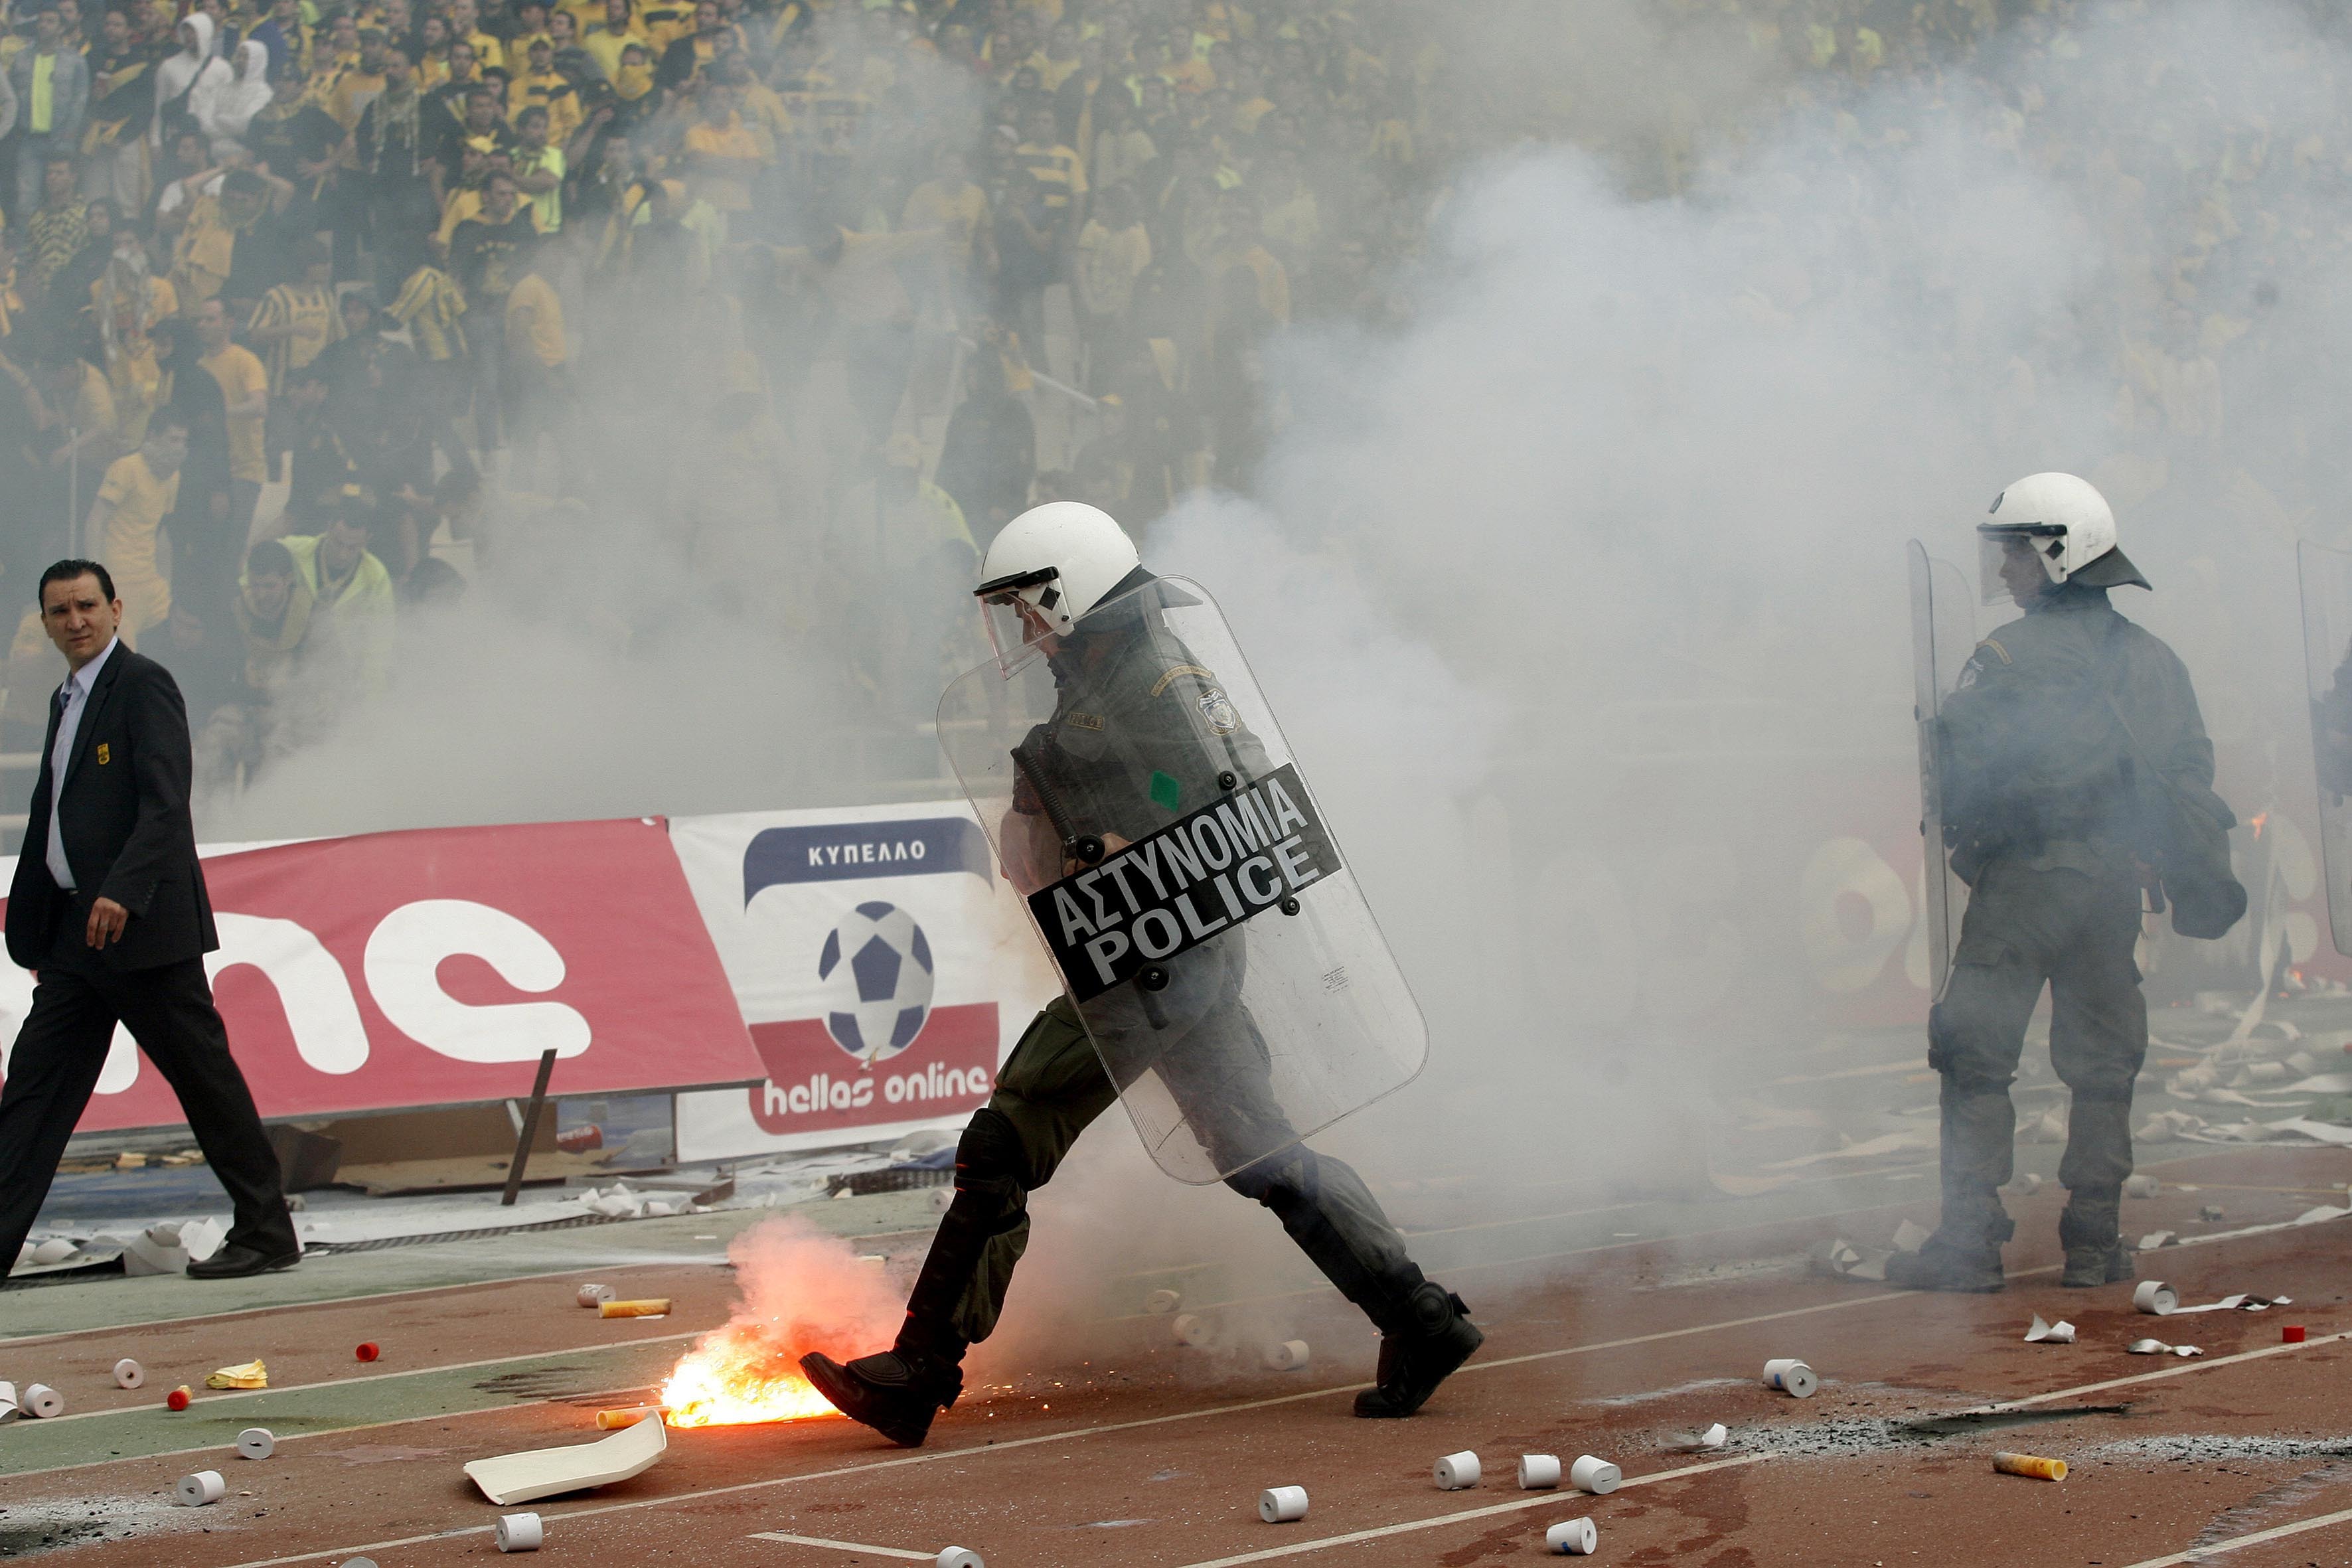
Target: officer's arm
x,y
1191,731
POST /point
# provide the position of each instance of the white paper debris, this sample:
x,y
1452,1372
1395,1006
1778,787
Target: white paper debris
x,y
2158,1347
2061,1333
2239,1303
1910,1236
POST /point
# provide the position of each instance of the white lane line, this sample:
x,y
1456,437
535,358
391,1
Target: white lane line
x,y
10,1342
2182,1370
222,1395
600,1396
2216,1548
843,1545
1439,1521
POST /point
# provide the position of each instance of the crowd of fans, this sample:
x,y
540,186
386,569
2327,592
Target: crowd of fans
x,y
301,294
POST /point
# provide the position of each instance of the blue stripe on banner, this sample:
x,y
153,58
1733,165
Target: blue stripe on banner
x,y
853,851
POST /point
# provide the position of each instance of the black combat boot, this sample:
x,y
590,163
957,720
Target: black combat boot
x,y
1963,1255
896,1393
1419,1350
2095,1252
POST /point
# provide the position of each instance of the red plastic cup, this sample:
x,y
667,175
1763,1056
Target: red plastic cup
x,y
2292,1334
367,1352
176,1400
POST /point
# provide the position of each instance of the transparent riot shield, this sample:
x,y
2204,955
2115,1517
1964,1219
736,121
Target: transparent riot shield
x,y
1943,635
1177,868
2325,578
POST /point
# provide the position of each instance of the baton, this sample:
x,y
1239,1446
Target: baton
x,y
1086,848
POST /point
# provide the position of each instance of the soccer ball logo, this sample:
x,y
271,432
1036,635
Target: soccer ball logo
x,y
876,979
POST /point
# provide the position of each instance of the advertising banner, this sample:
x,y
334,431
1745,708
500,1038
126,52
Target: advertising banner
x,y
433,967
883,967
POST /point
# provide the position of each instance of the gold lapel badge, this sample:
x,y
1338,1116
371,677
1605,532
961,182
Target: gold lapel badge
x,y
104,756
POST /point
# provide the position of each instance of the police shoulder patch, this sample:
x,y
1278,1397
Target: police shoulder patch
x,y
1077,720
1218,709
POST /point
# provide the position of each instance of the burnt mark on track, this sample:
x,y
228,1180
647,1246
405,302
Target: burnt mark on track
x,y
537,1383
1970,1421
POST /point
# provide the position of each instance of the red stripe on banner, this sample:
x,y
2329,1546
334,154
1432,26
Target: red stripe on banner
x,y
433,967
814,1086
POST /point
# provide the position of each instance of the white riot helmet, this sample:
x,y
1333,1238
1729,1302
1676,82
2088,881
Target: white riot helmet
x,y
1049,566
2065,523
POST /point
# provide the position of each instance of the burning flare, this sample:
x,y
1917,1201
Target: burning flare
x,y
801,1291
738,1375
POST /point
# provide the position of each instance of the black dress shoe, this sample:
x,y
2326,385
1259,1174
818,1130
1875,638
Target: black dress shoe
x,y
237,1262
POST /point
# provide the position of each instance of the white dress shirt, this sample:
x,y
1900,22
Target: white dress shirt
x,y
74,698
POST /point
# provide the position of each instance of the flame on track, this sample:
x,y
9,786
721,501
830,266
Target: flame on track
x,y
801,1291
740,1376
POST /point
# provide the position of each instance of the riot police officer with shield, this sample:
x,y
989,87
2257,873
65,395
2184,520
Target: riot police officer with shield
x,y
2075,776
1202,922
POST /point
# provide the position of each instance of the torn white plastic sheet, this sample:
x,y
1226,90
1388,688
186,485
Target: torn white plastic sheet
x,y
2061,1333
2245,1303
2322,1083
1910,1236
548,1472
2158,1347
1845,1259
2317,1132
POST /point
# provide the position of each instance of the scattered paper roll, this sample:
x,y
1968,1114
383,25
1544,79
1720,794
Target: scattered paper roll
x,y
39,1399
1159,1303
592,1295
129,1373
1191,1328
1792,1377
1455,1472
628,1415
2061,1333
1290,1355
1596,1475
1714,1436
651,1307
57,1249
1539,1472
256,1442
958,1557
1572,1538
2033,1464
9,1408
518,1532
179,1398
2142,1187
942,1199
204,1487
1280,1505
2155,1297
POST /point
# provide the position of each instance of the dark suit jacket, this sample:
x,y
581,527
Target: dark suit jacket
x,y
128,834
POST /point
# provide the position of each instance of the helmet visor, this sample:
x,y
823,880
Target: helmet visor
x,y
2013,559
1019,611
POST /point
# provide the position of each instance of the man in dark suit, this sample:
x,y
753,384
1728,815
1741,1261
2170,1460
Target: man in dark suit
x,y
109,909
